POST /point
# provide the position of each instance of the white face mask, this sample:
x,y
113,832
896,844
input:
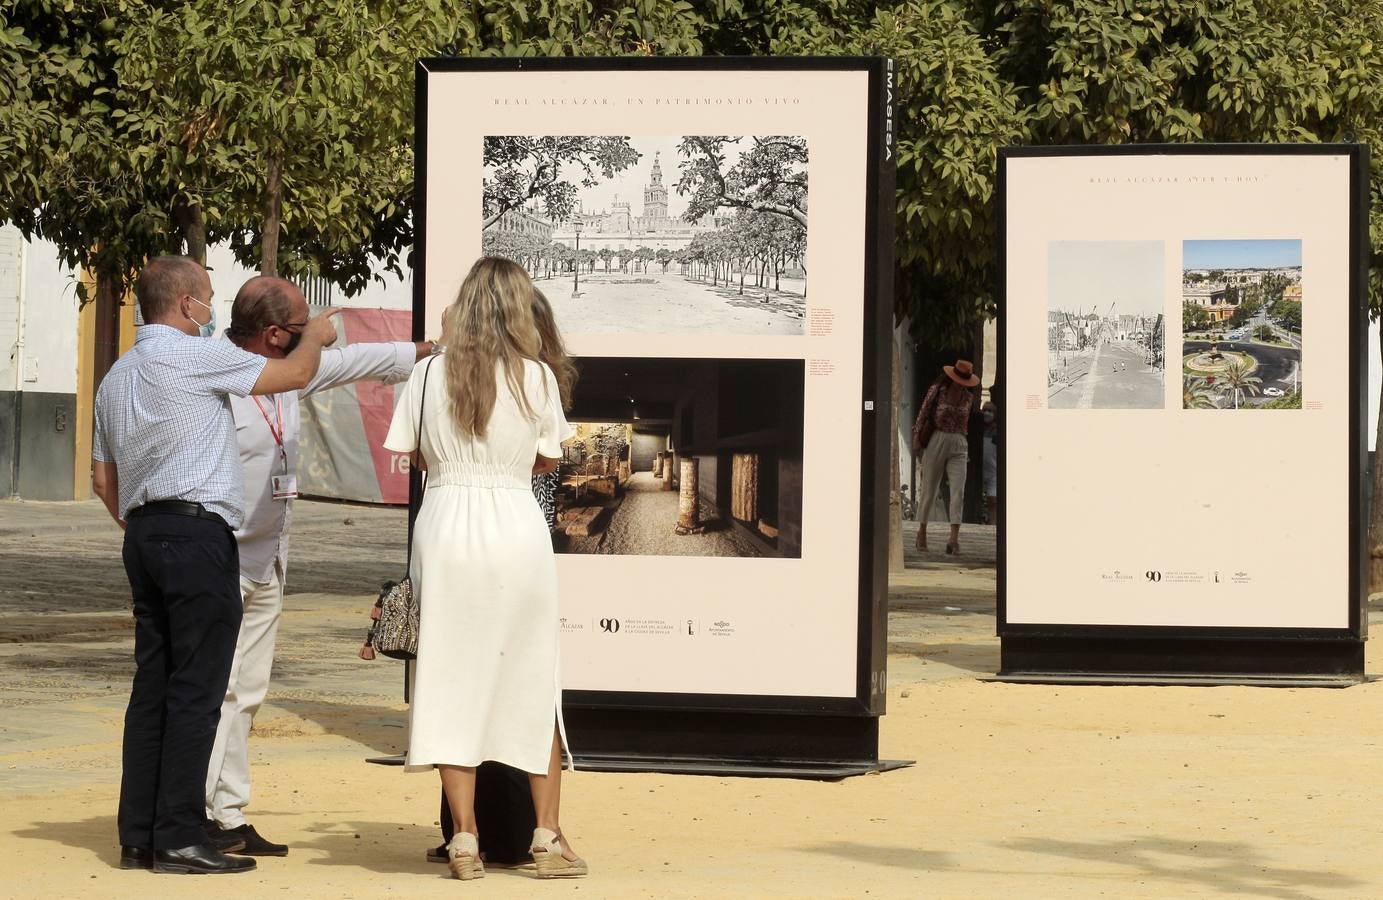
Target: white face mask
x,y
209,328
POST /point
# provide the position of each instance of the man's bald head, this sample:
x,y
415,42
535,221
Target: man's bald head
x,y
164,281
263,301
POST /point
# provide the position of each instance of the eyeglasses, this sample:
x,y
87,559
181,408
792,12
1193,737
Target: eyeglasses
x,y
287,325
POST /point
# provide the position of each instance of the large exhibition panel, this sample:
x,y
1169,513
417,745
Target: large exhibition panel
x,y
1182,361
708,233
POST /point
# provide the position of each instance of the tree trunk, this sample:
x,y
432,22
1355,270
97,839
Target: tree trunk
x,y
744,487
188,234
273,217
110,289
688,502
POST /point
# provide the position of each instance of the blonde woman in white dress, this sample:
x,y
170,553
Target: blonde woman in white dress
x,y
486,684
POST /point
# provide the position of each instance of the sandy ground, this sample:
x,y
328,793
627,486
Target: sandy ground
x,y
1018,791
644,522
657,303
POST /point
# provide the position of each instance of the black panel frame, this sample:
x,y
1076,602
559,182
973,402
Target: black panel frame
x,y
748,726
1213,652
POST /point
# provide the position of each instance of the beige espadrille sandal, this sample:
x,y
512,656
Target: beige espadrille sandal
x,y
463,856
548,858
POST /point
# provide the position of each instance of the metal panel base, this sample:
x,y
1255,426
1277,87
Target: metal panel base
x,y
744,744
1106,660
737,768
749,738
1284,681
740,768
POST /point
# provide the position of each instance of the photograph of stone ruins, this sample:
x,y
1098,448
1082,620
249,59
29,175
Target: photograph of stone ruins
x,y
655,235
684,457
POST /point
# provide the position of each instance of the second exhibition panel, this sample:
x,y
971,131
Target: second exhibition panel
x,y
1182,360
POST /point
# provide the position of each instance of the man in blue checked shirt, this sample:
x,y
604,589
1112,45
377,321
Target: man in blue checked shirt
x,y
267,318
165,463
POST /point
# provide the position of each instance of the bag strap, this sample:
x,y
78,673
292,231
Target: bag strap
x,y
418,448
422,406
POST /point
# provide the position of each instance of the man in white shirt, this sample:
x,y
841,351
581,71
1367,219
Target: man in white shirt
x,y
267,318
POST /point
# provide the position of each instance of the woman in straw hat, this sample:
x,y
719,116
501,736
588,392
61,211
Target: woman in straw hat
x,y
939,434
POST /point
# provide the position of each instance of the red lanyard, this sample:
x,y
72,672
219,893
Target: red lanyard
x,y
277,434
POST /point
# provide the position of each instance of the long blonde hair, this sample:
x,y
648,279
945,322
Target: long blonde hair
x,y
553,351
490,322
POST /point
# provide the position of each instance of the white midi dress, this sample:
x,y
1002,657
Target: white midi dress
x,y
486,683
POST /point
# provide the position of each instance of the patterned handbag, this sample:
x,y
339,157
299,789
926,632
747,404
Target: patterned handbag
x,y
394,629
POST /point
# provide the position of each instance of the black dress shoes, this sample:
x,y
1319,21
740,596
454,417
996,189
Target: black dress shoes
x,y
199,859
225,841
255,843
136,857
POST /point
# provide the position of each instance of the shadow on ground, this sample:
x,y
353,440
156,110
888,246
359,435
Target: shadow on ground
x,y
880,855
96,835
376,727
1226,866
384,847
977,658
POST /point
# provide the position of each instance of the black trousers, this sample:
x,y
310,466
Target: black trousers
x,y
185,575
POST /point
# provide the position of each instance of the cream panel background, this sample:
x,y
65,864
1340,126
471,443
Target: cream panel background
x,y
787,626
1257,498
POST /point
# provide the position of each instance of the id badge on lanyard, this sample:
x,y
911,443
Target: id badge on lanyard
x,y
285,485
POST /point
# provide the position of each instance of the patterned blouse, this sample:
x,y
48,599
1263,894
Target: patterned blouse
x,y
952,413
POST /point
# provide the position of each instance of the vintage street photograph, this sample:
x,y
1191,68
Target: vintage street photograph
x,y
1241,324
1105,325
683,457
655,235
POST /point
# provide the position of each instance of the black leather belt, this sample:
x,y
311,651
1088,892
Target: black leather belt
x,y
175,508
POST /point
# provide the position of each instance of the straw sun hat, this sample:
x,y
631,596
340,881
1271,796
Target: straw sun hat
x,y
962,373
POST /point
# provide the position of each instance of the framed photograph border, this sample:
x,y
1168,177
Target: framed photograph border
x,y
872,620
1220,649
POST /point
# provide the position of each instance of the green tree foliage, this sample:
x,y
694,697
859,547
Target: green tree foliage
x,y
1116,71
1288,314
64,172
280,118
1196,393
1237,384
1291,401
1193,317
119,119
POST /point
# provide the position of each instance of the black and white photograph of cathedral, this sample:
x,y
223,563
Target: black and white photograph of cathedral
x,y
655,235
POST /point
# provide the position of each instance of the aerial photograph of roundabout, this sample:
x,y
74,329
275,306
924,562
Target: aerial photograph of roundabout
x,y
1241,321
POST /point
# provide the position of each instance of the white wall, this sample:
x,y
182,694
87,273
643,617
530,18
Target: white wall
x,y
49,322
50,311
11,247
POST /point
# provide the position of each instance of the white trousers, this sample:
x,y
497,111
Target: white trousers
x,y
946,454
228,773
